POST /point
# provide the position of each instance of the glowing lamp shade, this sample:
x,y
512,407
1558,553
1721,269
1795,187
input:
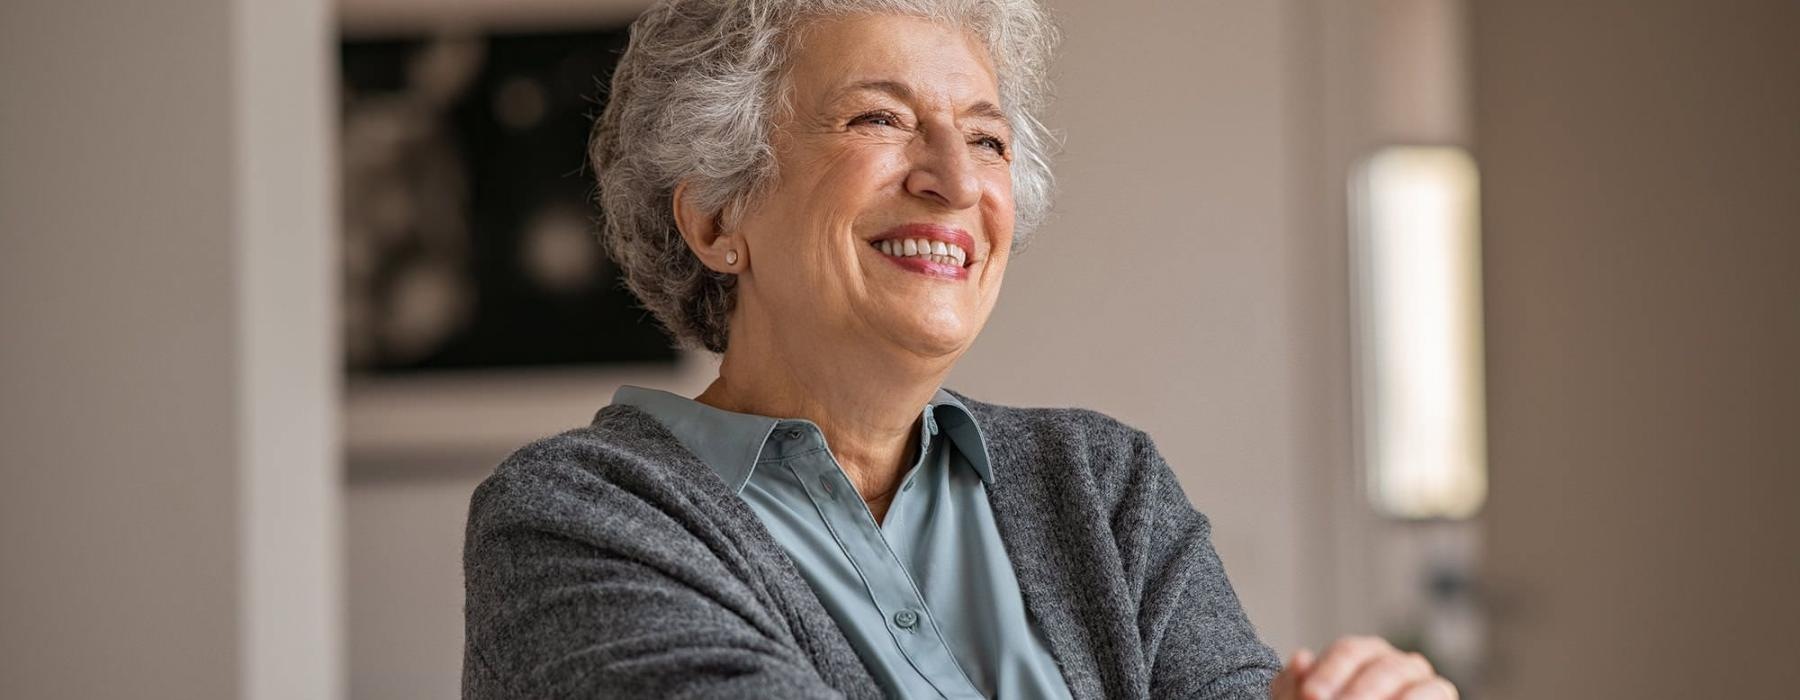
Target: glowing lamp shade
x,y
1416,275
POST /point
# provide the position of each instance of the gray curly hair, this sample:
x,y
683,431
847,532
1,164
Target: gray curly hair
x,y
694,98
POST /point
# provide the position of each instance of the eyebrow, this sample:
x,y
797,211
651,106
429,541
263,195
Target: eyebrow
x,y
981,108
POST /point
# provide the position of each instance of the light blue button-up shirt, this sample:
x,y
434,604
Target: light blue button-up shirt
x,y
927,597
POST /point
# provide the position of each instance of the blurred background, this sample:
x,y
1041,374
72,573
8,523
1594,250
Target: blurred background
x,y
1473,324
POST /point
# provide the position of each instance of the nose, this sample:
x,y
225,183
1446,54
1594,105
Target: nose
x,y
942,169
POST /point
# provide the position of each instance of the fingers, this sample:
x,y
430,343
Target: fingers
x,y
1433,688
1361,668
1338,664
1387,674
1287,685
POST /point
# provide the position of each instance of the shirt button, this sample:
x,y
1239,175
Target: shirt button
x,y
906,619
793,434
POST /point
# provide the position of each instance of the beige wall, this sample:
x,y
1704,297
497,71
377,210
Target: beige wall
x,y
168,508
119,525
1643,259
1389,73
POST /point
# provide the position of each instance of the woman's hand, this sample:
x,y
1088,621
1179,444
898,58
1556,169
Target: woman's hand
x,y
1359,668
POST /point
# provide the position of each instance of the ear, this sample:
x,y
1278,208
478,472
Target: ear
x,y
716,249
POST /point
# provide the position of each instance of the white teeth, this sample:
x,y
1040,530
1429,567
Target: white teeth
x,y
936,251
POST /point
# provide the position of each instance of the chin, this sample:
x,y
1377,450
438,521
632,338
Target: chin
x,y
934,336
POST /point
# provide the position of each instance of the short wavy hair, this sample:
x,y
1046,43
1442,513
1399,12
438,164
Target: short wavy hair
x,y
695,96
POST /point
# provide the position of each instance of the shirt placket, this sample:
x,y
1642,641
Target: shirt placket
x,y
907,619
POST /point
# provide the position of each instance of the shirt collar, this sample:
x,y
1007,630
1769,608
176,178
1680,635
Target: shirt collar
x,y
731,442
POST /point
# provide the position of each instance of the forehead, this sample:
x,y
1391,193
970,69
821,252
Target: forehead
x,y
840,57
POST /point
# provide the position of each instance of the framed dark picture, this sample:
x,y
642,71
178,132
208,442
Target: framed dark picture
x,y
468,213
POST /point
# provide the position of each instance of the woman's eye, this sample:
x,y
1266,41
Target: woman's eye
x,y
876,118
992,142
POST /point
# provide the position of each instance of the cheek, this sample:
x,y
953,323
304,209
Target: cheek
x,y
821,184
830,190
863,169
824,190
997,209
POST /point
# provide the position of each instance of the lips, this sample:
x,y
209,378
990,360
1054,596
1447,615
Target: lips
x,y
950,235
933,250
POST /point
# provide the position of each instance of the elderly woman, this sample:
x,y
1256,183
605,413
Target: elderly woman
x,y
827,192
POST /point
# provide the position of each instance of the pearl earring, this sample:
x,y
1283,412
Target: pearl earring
x,y
731,257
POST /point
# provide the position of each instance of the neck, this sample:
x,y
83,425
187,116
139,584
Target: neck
x,y
867,403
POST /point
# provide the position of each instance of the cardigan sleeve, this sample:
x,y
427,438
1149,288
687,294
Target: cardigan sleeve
x,y
575,588
1197,639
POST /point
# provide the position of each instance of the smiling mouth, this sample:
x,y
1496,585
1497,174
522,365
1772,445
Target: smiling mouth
x,y
926,250
930,264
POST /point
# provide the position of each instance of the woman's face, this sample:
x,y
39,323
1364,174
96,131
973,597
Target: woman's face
x,y
894,133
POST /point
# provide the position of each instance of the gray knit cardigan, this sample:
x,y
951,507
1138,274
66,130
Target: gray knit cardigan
x,y
609,561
